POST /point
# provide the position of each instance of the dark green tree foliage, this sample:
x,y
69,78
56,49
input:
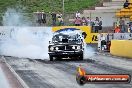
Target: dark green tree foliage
x,y
48,5
30,6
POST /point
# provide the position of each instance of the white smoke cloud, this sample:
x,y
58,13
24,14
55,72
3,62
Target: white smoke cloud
x,y
24,43
88,51
13,17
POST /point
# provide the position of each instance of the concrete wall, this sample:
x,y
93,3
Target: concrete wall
x,y
121,48
8,32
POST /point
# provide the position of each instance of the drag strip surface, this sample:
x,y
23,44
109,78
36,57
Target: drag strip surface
x,y
62,74
7,78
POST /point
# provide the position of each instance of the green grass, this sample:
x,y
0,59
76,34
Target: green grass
x,y
76,5
71,6
48,5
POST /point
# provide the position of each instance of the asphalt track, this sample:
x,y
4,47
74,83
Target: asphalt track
x,y
62,74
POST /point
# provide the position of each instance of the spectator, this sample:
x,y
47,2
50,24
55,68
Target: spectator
x,y
100,24
130,29
78,14
126,4
88,20
96,25
60,19
122,25
53,18
78,21
103,42
84,21
99,41
43,17
92,25
117,29
39,15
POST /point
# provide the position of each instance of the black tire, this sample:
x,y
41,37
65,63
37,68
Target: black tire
x,y
51,58
81,57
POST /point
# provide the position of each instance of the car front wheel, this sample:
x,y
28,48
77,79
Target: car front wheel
x,y
51,58
81,57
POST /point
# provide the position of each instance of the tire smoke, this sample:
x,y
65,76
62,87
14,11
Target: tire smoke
x,y
26,44
24,41
88,51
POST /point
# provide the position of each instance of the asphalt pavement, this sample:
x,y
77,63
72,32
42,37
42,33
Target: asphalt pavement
x,y
62,74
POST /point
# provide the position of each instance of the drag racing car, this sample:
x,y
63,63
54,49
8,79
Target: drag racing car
x,y
66,45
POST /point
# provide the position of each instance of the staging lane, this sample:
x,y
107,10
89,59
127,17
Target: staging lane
x,y
61,74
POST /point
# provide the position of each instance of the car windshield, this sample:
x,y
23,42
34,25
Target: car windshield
x,y
64,38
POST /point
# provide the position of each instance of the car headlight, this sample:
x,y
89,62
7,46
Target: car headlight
x,y
51,48
73,47
56,48
78,47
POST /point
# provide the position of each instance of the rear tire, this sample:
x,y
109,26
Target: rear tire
x,y
51,58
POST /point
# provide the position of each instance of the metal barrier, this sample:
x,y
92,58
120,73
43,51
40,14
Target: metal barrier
x,y
11,32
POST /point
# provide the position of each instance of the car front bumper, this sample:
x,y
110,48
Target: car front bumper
x,y
66,54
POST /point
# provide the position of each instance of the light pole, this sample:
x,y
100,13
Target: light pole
x,y
63,7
